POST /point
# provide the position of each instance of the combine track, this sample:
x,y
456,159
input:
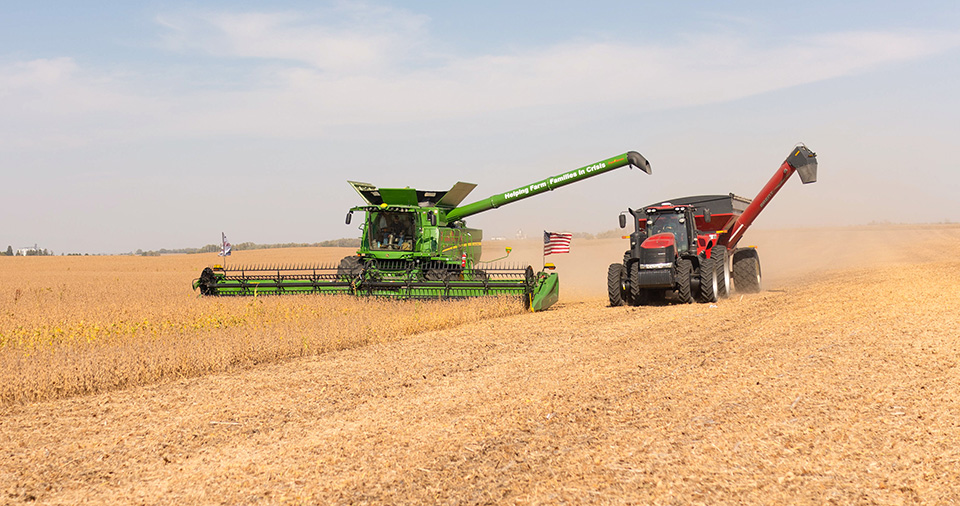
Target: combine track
x,y
836,389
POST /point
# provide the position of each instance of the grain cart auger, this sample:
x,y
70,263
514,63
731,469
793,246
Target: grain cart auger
x,y
687,247
415,245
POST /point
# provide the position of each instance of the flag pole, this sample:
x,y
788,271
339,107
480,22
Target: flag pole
x,y
543,251
223,248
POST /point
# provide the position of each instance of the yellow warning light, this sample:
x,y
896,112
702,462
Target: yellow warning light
x,y
549,266
624,236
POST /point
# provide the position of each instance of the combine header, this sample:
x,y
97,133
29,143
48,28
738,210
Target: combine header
x,y
688,246
415,245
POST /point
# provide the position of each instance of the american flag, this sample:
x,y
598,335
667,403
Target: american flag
x,y
224,246
554,242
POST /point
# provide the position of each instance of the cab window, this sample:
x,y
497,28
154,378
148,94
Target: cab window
x,y
390,230
670,223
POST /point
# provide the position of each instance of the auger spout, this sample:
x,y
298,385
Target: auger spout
x,y
802,161
631,158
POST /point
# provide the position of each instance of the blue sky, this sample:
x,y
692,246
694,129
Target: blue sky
x,y
131,125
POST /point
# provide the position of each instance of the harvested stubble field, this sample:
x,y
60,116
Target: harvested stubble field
x,y
837,385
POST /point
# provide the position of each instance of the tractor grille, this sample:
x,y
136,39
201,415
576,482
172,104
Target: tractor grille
x,y
656,278
657,255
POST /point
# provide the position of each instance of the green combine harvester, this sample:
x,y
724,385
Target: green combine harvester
x,y
415,245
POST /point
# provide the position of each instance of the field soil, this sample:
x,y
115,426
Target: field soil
x,y
835,385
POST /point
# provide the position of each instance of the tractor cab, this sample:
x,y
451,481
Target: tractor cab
x,y
667,231
677,221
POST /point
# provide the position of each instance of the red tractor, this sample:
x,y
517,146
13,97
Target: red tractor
x,y
686,248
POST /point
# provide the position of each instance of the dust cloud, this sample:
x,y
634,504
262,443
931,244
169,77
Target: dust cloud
x,y
785,254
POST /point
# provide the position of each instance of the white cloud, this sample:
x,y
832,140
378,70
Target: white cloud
x,y
55,101
346,39
304,74
304,99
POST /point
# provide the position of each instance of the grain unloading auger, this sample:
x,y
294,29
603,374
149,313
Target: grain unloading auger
x,y
415,245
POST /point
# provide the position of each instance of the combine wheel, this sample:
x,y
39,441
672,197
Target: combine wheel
x,y
708,281
208,282
746,270
531,281
616,275
722,263
684,273
440,275
349,268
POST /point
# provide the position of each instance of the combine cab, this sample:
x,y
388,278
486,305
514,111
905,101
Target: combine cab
x,y
687,247
415,245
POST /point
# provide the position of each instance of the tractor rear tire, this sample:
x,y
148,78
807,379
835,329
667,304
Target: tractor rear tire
x,y
722,262
684,273
708,281
746,271
616,275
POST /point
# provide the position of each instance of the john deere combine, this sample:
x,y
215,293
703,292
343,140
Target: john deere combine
x,y
415,245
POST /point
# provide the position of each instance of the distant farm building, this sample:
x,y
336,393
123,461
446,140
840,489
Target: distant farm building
x,y
34,250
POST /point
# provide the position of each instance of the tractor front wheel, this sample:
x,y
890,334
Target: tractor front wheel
x,y
616,275
684,273
638,296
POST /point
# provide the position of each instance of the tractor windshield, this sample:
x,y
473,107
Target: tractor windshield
x,y
669,223
391,230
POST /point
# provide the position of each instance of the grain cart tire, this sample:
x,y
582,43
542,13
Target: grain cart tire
x,y
684,273
708,281
616,275
349,268
746,271
638,297
722,262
